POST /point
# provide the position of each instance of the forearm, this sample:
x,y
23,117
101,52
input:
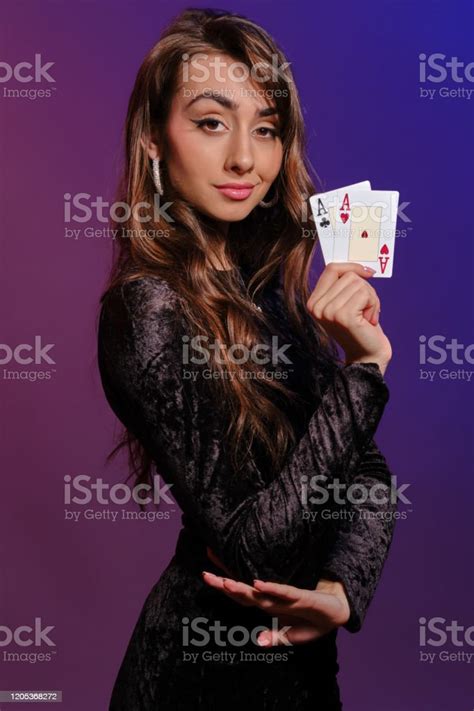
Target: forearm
x,y
363,542
255,532
265,530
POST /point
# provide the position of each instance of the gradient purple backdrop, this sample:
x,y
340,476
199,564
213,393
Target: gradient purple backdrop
x,y
357,69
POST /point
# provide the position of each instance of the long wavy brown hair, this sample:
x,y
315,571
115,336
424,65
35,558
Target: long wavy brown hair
x,y
270,239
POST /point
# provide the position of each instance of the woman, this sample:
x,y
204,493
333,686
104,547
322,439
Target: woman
x,y
212,259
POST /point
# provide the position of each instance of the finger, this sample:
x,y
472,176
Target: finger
x,y
357,304
289,592
218,582
339,309
375,295
371,314
327,306
214,581
236,586
332,273
265,602
285,598
349,277
334,298
228,585
239,597
339,295
273,606
349,306
240,592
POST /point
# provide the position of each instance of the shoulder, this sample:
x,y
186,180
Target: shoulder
x,y
140,315
147,298
142,294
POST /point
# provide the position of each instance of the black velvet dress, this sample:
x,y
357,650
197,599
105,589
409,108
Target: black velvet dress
x,y
192,646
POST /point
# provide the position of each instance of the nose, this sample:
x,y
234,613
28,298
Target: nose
x,y
240,158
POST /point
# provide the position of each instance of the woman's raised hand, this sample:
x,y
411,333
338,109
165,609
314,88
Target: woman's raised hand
x,y
348,308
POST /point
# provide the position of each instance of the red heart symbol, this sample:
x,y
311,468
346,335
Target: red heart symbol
x,y
344,217
384,249
364,234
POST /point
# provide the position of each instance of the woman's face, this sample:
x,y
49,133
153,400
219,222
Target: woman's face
x,y
221,132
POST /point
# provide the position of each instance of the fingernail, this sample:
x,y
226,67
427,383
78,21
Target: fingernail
x,y
257,581
369,269
263,640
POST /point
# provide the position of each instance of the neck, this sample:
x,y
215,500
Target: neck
x,y
219,260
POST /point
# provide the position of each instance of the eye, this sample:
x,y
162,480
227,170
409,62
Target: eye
x,y
210,124
272,132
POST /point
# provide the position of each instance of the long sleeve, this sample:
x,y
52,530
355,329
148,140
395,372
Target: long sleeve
x,y
259,534
364,538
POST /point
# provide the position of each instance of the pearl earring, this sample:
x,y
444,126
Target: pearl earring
x,y
157,176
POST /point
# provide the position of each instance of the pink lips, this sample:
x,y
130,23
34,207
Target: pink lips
x,y
236,191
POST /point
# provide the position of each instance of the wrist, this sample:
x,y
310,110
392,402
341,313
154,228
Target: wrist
x,y
336,588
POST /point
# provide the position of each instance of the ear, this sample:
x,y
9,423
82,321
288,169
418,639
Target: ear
x,y
150,147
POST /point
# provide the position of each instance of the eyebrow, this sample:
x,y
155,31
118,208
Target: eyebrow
x,y
229,104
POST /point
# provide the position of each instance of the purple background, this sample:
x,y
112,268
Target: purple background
x,y
356,65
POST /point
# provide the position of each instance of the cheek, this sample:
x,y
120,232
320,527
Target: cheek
x,y
189,155
271,163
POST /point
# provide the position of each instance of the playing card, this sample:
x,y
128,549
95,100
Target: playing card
x,y
324,207
365,229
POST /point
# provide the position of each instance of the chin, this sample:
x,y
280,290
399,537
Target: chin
x,y
231,213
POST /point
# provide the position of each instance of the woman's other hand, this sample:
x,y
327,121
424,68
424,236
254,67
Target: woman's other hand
x,y
348,308
304,614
